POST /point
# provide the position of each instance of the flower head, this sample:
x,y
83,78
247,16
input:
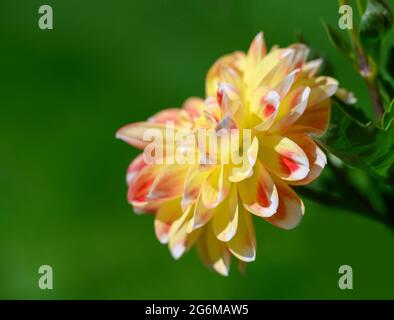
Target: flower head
x,y
259,117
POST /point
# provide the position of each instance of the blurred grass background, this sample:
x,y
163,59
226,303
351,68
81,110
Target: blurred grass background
x,y
63,95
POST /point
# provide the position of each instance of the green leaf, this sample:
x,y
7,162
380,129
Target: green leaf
x,y
338,41
375,22
353,112
388,117
362,146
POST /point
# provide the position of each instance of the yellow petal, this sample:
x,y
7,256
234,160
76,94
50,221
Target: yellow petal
x,y
213,252
290,210
258,193
168,213
225,218
243,244
290,109
314,120
216,187
284,157
169,183
194,180
245,170
316,157
265,104
256,52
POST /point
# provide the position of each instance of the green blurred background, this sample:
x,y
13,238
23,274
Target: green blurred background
x,y
63,95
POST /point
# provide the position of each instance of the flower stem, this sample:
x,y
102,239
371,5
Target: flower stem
x,y
366,67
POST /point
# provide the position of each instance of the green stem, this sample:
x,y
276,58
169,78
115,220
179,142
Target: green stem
x,y
366,68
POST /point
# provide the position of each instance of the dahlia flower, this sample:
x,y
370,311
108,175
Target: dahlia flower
x,y
263,108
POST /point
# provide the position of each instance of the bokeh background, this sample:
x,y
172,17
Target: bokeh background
x,y
63,95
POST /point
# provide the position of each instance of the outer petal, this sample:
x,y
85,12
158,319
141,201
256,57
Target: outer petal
x,y
134,168
316,157
181,241
141,134
169,183
290,210
139,188
168,213
243,244
256,52
194,180
216,187
284,157
271,69
201,215
314,120
179,117
265,104
214,76
246,170
291,108
213,252
258,193
225,218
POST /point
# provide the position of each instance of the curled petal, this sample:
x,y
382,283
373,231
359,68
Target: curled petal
x,y
291,108
216,187
265,104
169,183
181,241
243,244
246,170
316,157
194,180
134,168
258,193
201,215
139,188
214,76
284,158
142,134
213,252
290,210
169,212
322,88
225,218
314,120
256,52
271,69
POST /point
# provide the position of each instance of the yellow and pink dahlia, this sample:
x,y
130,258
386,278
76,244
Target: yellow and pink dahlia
x,y
265,108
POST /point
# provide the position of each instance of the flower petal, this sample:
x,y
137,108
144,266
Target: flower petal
x,y
284,157
243,244
290,210
216,187
141,184
168,213
265,104
246,169
314,120
141,134
194,180
258,193
290,109
225,218
181,241
256,52
214,76
169,183
213,252
316,157
134,168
